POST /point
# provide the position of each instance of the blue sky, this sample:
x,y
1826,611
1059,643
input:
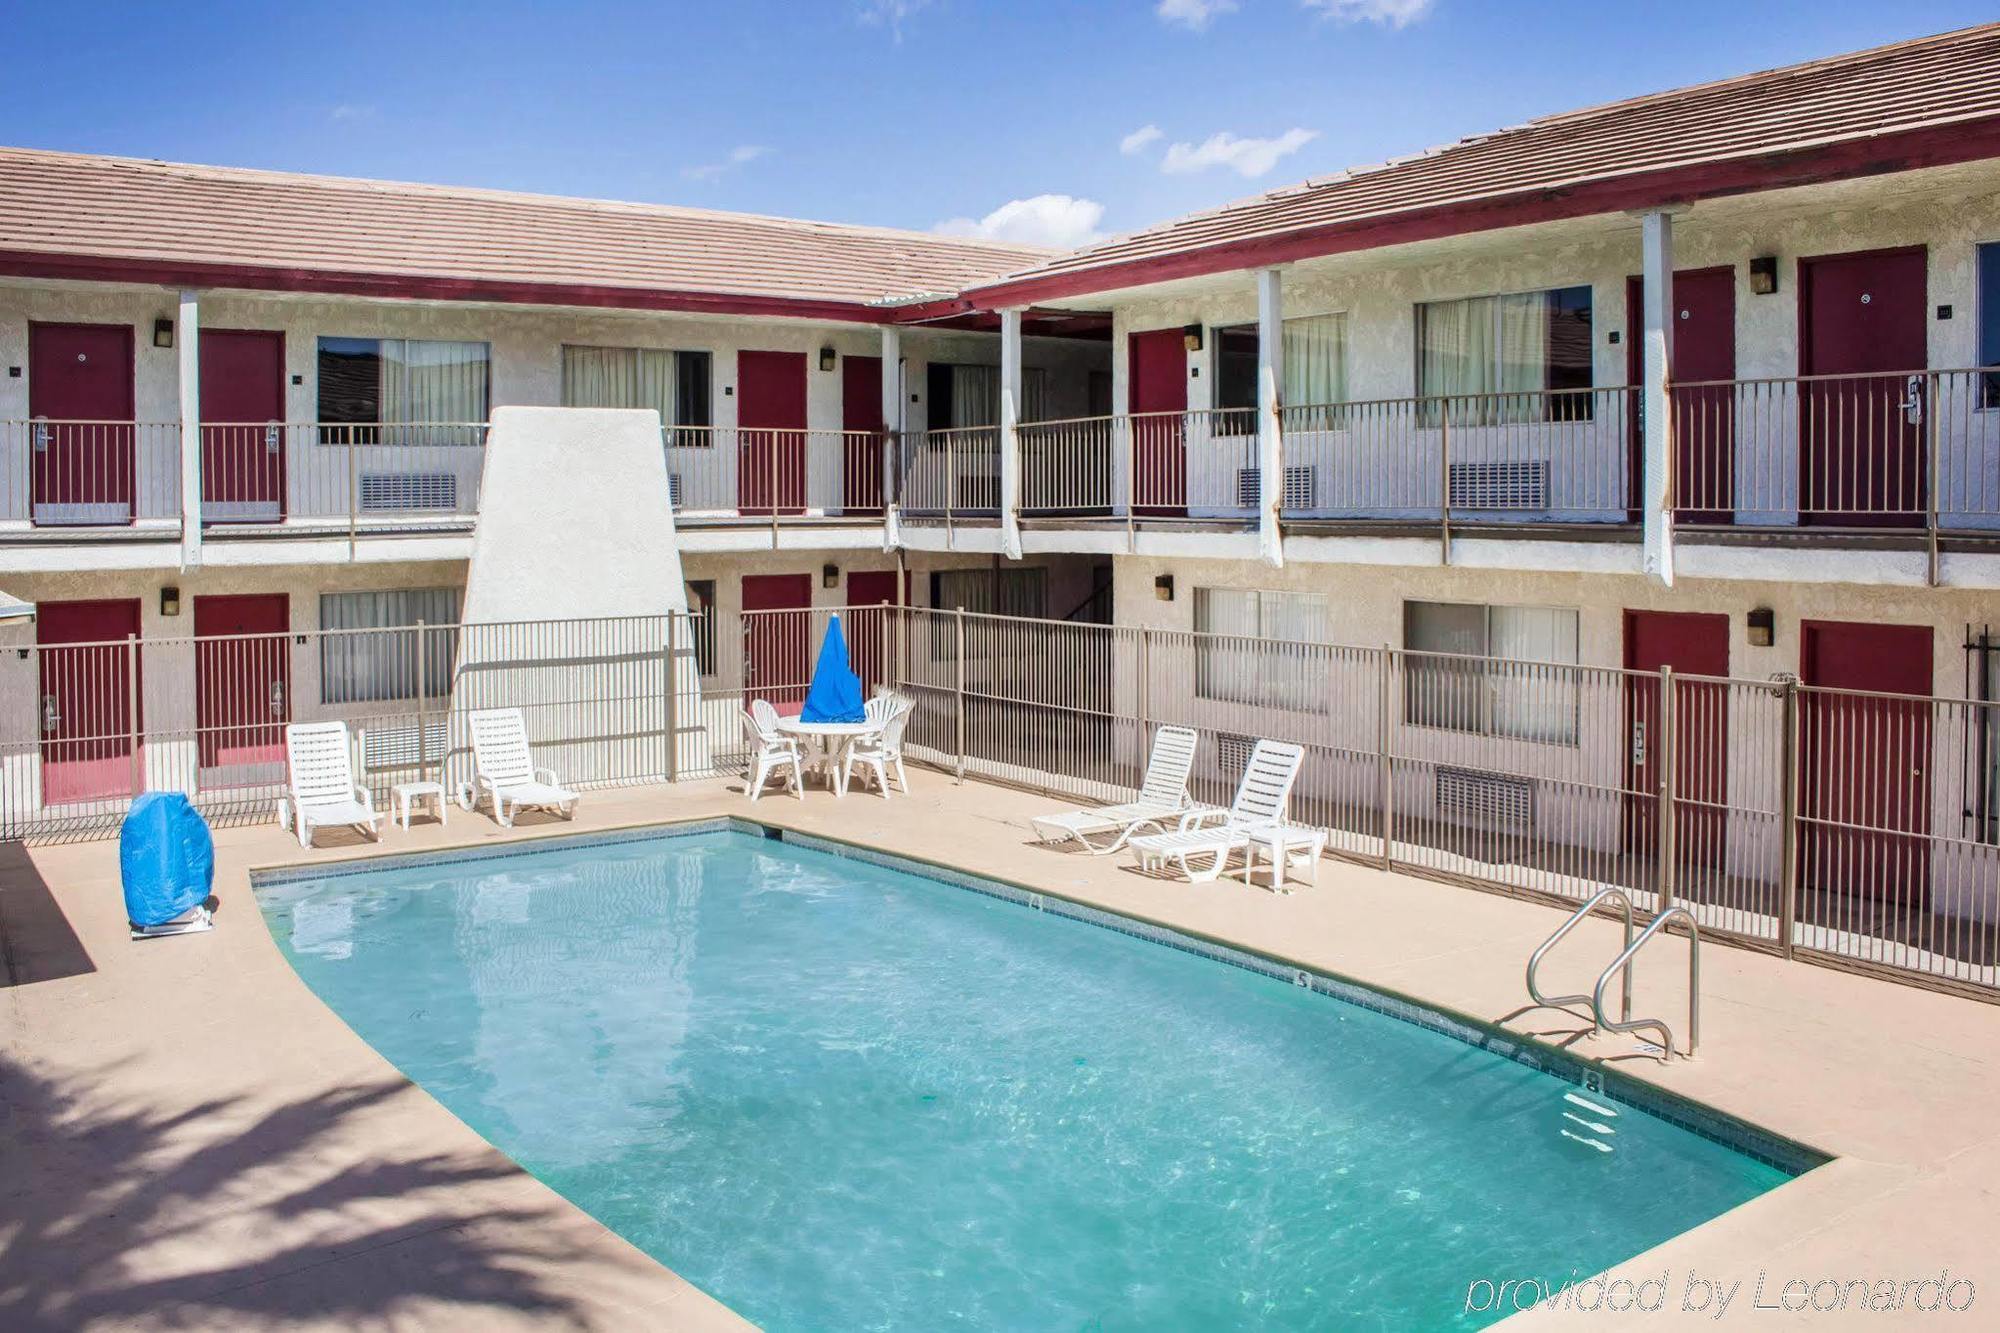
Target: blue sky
x,y
910,113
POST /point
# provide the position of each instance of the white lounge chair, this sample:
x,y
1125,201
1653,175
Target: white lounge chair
x,y
881,752
319,778
775,751
1260,801
1163,796
506,772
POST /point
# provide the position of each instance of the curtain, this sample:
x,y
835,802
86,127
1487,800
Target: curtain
x,y
975,396
1522,336
630,377
360,667
1534,703
1455,355
1315,351
1035,394
1269,676
434,383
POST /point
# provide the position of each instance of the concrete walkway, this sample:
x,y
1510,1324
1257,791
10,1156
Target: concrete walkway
x,y
190,1139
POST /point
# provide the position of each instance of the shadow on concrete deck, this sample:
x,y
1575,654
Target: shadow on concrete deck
x,y
37,942
116,1213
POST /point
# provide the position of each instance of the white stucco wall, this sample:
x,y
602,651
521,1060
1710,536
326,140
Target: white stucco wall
x,y
1949,211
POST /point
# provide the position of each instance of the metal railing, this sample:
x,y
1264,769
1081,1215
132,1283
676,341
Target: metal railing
x,y
105,474
1805,820
1911,450
341,477
1833,824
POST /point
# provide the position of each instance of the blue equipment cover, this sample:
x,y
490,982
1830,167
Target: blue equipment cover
x,y
166,858
835,694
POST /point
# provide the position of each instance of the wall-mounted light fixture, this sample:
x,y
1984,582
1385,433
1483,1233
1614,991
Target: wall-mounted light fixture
x,y
829,576
163,333
1163,587
170,601
1764,275
1191,337
1761,627
827,358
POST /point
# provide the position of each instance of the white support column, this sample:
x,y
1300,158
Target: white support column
x,y
1010,433
1270,393
1657,495
892,425
187,344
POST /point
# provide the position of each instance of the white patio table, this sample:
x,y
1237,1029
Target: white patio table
x,y
832,738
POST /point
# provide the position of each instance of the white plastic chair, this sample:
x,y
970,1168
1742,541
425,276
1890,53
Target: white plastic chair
x,y
1261,798
775,751
319,776
1163,796
503,768
882,751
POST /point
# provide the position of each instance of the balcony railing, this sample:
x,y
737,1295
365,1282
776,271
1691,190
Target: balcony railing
x,y
319,475
103,474
1914,452
1911,451
726,474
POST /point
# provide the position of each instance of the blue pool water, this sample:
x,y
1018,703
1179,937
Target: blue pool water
x,y
841,1096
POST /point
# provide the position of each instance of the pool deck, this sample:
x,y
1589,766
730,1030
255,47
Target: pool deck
x,y
188,1138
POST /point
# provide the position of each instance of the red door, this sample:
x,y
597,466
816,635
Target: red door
x,y
861,419
777,632
1156,376
242,432
869,631
1861,451
1693,644
1704,413
771,432
242,686
1865,799
80,391
89,688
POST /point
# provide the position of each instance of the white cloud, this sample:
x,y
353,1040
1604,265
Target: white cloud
x,y
1194,15
1138,139
738,156
1059,220
890,13
352,111
1245,157
1388,13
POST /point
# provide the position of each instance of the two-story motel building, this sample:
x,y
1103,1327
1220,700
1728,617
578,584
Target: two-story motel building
x,y
1695,380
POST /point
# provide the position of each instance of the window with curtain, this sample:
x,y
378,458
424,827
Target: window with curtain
x,y
1035,394
402,391
962,396
1516,679
1989,322
674,384
1500,359
366,667
701,605
1286,674
1022,592
1314,371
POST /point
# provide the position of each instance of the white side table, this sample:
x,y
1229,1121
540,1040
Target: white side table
x,y
1280,843
406,794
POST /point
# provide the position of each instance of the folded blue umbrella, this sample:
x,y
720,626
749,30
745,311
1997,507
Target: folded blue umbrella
x,y
835,693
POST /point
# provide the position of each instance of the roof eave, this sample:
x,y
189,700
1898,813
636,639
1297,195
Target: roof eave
x,y
1881,154
424,287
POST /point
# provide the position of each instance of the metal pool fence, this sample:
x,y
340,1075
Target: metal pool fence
x,y
1833,824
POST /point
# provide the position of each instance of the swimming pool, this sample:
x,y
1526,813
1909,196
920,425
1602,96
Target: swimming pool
x,y
837,1093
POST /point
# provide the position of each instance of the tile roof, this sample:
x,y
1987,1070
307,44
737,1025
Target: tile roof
x,y
1945,83
72,207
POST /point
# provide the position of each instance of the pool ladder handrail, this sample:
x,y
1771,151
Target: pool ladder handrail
x,y
1576,919
1622,964
1624,961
